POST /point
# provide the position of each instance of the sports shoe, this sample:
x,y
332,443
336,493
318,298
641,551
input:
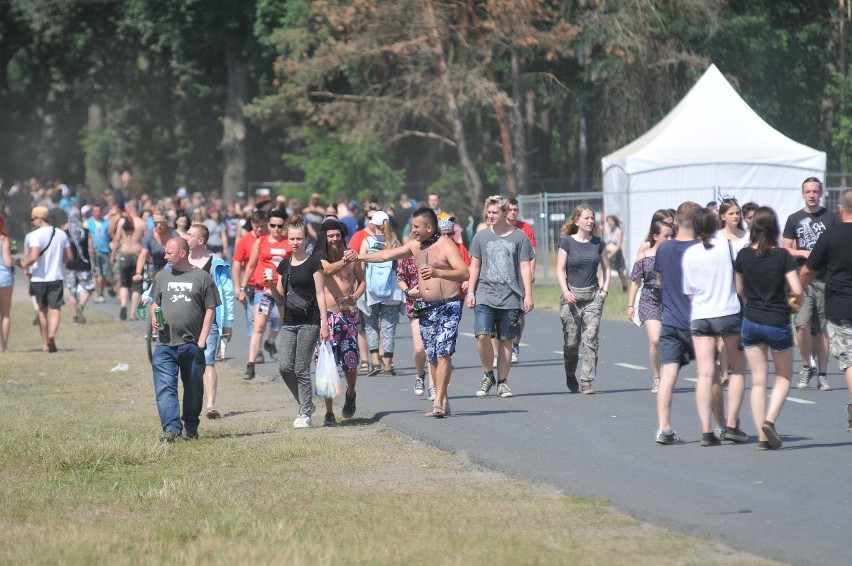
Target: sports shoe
x,y
710,439
822,383
516,350
349,406
668,439
419,386
805,377
260,359
503,389
433,392
573,384
587,389
772,437
849,417
302,421
329,420
169,436
735,435
100,300
122,313
51,346
763,445
81,318
486,384
249,371
272,349
190,435
655,386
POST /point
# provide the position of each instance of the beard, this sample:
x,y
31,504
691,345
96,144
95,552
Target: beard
x,y
334,252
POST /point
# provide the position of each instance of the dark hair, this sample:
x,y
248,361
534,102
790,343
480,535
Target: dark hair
x,y
428,214
704,224
765,230
748,207
812,180
727,204
656,229
282,214
259,216
513,201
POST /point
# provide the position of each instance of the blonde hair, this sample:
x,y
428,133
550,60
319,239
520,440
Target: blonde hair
x,y
570,226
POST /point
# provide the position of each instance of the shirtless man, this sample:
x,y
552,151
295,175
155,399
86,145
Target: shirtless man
x,y
344,284
127,243
441,269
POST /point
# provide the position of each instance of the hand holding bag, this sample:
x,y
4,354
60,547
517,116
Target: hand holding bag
x,y
327,378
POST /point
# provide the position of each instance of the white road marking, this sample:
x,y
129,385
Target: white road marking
x,y
793,399
630,366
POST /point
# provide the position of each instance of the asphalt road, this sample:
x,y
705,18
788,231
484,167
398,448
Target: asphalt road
x,y
792,505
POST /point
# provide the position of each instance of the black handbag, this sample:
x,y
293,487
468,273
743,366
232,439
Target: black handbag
x,y
294,302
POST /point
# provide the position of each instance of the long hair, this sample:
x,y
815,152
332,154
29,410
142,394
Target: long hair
x,y
726,205
657,229
662,215
570,228
705,226
389,234
615,220
765,230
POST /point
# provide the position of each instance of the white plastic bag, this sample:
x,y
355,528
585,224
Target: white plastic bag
x,y
327,378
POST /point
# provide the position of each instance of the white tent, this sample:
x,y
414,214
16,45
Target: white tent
x,y
712,143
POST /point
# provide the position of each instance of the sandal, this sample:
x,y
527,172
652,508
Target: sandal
x,y
437,412
364,367
212,413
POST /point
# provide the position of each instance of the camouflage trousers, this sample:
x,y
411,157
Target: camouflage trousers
x,y
580,325
840,341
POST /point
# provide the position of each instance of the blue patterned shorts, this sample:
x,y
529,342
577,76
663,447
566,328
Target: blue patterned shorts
x,y
439,328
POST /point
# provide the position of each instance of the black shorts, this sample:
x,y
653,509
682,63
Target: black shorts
x,y
126,271
48,294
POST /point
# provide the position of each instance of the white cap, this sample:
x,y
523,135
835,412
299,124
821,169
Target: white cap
x,y
379,218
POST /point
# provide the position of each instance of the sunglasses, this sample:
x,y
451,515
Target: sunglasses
x,y
370,217
276,226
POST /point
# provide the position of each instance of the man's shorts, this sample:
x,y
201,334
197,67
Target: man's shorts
x,y
48,294
212,344
778,338
126,271
675,346
102,262
79,282
439,328
274,321
501,323
728,325
812,312
840,341
343,333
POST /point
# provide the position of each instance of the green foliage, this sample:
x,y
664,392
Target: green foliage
x,y
331,167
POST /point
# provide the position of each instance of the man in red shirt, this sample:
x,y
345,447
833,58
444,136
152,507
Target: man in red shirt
x,y
512,218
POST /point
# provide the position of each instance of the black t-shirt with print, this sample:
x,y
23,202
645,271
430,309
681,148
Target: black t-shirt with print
x,y
833,254
805,228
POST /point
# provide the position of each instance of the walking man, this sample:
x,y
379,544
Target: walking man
x,y
188,298
499,291
344,284
801,233
526,228
441,269
99,250
127,244
832,255
48,250
203,258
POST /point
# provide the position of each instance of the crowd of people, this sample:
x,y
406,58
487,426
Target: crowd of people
x,y
716,286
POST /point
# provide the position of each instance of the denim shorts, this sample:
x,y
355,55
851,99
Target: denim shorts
x,y
212,344
274,320
501,323
675,346
727,325
779,338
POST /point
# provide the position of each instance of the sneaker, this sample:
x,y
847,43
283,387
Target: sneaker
x,y
190,435
374,371
735,435
822,383
272,349
772,437
349,406
486,384
122,313
763,445
419,386
805,377
587,389
573,384
516,350
302,421
260,359
668,439
249,371
51,347
169,436
329,420
100,300
81,317
849,417
710,439
655,386
503,389
433,392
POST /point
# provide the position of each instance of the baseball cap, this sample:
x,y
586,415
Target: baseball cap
x,y
379,218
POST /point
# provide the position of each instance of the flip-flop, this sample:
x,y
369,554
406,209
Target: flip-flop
x,y
437,412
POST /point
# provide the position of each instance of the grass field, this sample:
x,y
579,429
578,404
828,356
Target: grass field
x,y
83,479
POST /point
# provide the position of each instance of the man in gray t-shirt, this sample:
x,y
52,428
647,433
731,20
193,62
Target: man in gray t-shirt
x,y
188,298
499,290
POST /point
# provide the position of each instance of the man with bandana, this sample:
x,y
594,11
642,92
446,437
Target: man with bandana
x,y
441,269
344,284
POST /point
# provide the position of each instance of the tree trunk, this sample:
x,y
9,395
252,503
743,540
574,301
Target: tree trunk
x,y
518,126
234,125
473,184
96,171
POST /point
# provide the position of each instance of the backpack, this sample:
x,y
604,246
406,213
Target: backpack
x,y
380,277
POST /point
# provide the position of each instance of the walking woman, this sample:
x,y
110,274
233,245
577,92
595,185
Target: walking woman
x,y
762,270
615,250
383,297
300,289
7,283
580,254
651,299
708,280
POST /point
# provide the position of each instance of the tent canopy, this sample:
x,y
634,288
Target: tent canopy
x,y
711,143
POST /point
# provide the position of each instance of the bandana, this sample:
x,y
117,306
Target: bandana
x,y
430,240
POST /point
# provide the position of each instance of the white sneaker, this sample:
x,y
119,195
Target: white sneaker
x,y
302,421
